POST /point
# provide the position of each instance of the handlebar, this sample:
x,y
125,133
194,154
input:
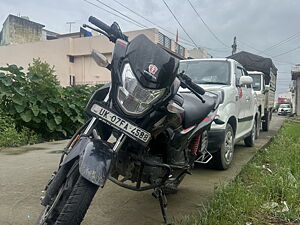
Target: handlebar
x,y
187,81
197,88
100,24
113,32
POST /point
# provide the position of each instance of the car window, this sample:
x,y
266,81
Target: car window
x,y
285,106
238,74
206,71
256,82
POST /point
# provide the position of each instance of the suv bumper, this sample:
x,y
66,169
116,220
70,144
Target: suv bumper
x,y
215,139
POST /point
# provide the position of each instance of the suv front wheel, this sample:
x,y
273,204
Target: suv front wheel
x,y
223,158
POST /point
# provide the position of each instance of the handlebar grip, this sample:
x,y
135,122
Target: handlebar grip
x,y
100,24
197,88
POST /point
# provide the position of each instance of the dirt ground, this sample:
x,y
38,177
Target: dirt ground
x,y
24,172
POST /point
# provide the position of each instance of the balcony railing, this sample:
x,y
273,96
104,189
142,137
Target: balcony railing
x,y
296,69
165,41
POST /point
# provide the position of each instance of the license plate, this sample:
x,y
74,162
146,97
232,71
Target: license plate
x,y
131,130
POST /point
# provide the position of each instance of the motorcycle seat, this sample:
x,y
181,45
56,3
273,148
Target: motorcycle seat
x,y
194,109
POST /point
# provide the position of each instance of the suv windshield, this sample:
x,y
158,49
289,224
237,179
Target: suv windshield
x,y
256,81
207,72
285,106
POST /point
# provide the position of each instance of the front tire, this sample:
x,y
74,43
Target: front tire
x,y
78,203
69,205
223,158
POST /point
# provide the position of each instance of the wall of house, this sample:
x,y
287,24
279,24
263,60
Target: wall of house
x,y
5,34
58,52
70,56
17,30
54,52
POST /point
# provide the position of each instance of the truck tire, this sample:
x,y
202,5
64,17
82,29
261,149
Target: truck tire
x,y
266,122
258,125
222,159
250,140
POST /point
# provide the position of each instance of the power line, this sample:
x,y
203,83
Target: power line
x,y
97,6
140,24
143,17
120,13
207,27
289,63
282,42
294,49
185,42
180,24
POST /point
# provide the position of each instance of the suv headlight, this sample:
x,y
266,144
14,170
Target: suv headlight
x,y
213,94
132,97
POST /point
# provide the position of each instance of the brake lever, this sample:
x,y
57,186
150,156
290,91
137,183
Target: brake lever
x,y
95,29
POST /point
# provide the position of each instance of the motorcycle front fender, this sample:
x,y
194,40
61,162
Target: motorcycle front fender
x,y
95,157
95,162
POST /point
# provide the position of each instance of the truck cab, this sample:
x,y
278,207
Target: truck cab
x,y
264,74
265,95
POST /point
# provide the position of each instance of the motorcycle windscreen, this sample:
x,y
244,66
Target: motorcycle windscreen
x,y
153,67
95,162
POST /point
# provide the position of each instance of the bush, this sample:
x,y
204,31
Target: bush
x,y
36,100
10,137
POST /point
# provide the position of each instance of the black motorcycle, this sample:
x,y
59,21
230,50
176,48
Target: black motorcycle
x,y
142,133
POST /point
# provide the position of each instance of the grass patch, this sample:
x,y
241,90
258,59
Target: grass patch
x,y
266,192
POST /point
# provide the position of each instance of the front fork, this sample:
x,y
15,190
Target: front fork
x,y
88,130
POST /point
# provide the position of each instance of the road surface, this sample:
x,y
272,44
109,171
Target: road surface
x,y
25,171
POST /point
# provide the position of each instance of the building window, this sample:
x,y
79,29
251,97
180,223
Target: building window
x,y
71,59
164,40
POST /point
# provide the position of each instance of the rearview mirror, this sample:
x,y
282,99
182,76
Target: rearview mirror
x,y
99,58
246,80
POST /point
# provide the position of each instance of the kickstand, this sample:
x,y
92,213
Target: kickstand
x,y
160,195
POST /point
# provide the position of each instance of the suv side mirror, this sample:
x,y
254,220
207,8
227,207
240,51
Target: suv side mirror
x,y
246,80
267,87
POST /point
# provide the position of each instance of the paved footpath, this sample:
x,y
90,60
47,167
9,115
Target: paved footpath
x,y
24,172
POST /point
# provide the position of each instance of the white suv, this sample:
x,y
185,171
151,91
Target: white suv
x,y
238,109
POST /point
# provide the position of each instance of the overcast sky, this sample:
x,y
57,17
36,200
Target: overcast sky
x,y
257,24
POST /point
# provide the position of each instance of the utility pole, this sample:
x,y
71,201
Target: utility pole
x,y
70,23
234,46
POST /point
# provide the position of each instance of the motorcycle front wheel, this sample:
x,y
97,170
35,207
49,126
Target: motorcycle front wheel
x,y
71,202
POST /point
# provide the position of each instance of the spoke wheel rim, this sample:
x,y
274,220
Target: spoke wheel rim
x,y
48,210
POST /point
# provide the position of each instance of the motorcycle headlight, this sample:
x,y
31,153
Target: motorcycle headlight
x,y
132,97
